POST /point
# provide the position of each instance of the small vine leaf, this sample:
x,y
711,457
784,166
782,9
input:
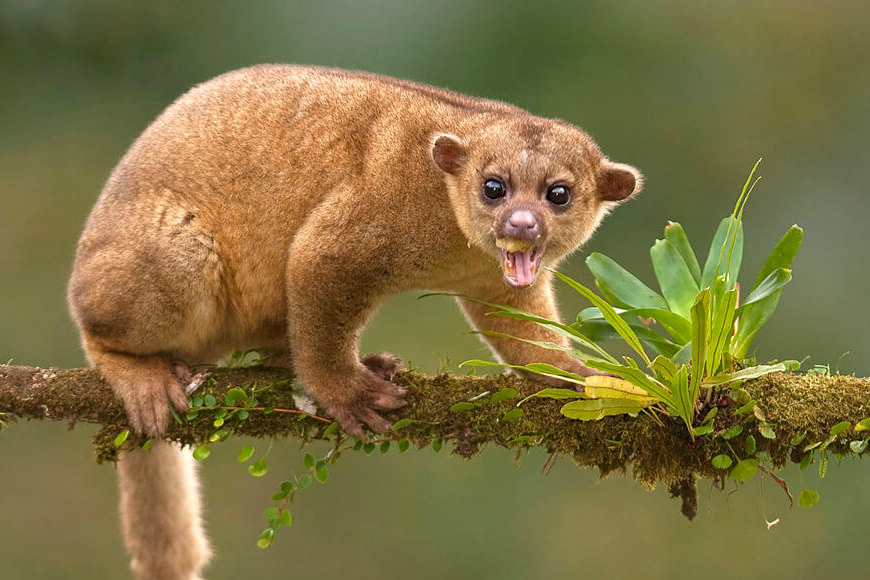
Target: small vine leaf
x,y
750,445
304,481
797,439
258,468
122,436
368,448
858,447
272,513
808,498
404,444
210,400
504,395
806,460
436,445
840,428
330,429
308,460
385,446
461,407
722,461
747,408
863,425
235,395
823,465
246,453
744,469
401,424
201,452
766,431
266,538
732,432
513,414
322,475
286,518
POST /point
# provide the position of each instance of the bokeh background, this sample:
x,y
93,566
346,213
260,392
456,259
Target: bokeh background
x,y
691,92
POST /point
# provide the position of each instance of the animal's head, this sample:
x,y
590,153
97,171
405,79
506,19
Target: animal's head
x,y
529,191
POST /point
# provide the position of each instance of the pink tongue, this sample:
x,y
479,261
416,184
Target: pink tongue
x,y
523,270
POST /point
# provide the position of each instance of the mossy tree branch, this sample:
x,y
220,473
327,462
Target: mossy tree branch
x,y
657,447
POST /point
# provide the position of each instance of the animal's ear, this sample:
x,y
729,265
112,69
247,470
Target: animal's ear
x,y
618,181
448,153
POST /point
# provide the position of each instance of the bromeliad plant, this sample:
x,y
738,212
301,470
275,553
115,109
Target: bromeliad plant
x,y
697,326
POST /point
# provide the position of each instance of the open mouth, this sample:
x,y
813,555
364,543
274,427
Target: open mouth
x,y
521,261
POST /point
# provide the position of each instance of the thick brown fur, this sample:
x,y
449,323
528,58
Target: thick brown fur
x,y
277,206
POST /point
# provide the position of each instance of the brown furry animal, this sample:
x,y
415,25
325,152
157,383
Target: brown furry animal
x,y
278,206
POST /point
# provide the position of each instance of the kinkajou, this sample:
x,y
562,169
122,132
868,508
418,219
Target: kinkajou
x,y
277,206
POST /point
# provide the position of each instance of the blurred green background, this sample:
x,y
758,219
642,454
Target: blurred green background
x,y
691,93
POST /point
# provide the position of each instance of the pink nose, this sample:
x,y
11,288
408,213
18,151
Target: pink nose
x,y
522,224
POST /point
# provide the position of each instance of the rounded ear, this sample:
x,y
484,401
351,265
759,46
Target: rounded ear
x,y
618,181
448,153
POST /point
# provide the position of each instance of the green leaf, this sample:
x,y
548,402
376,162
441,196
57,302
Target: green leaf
x,y
823,465
322,475
766,431
712,267
702,429
610,315
462,406
594,409
743,374
744,469
513,414
368,448
700,315
309,460
863,425
122,436
750,445
797,439
722,462
747,408
330,429
554,393
272,513
676,235
235,395
286,518
266,538
732,432
304,480
720,333
546,370
664,368
808,498
774,282
258,468
504,395
674,277
685,406
201,452
615,280
840,428
385,446
246,453
858,447
754,316
197,401
401,424
404,444
436,445
210,400
806,460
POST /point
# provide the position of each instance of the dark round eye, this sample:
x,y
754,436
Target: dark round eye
x,y
558,195
494,189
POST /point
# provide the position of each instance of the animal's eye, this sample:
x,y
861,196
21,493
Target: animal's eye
x,y
494,189
558,195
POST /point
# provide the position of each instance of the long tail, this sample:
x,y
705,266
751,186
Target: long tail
x,y
160,513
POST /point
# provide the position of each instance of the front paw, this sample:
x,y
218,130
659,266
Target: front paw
x,y
383,364
369,394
